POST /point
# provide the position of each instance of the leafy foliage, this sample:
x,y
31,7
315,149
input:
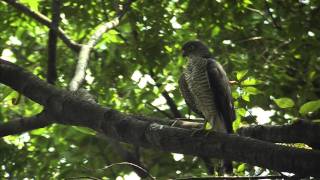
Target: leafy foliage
x,y
270,48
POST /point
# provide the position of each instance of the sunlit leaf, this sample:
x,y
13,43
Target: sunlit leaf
x,y
241,74
284,102
251,90
246,97
4,92
32,3
250,82
236,124
241,112
310,107
241,167
215,31
208,126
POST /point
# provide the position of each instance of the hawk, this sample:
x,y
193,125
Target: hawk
x,y
205,87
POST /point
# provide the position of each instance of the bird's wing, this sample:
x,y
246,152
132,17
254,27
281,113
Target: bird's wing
x,y
187,95
219,84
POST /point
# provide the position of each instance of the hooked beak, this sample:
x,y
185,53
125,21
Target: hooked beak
x,y
184,54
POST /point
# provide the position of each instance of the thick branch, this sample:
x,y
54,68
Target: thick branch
x,y
45,21
21,125
299,132
71,110
86,48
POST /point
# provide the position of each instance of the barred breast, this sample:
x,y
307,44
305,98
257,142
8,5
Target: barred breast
x,y
198,82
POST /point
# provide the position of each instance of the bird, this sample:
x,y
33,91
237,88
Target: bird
x,y
205,88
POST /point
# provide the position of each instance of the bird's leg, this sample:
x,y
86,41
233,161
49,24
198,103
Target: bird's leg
x,y
202,130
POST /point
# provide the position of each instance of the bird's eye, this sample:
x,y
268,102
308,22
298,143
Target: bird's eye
x,y
191,47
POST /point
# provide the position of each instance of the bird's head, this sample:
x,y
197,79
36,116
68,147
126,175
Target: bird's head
x,y
195,48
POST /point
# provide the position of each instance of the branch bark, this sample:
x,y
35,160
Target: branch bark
x,y
21,125
45,21
71,110
298,132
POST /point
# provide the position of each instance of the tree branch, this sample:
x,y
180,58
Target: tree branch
x,y
45,21
299,132
172,105
71,110
52,43
82,66
86,48
170,102
21,125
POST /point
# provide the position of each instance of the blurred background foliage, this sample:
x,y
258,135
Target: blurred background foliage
x,y
270,48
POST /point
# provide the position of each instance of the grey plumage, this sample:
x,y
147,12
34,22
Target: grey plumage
x,y
205,88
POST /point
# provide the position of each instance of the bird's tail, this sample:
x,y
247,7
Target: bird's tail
x,y
219,126
227,167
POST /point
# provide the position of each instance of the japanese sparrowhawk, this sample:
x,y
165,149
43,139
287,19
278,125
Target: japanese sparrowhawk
x,y
205,87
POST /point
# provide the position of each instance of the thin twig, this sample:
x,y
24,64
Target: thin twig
x,y
159,110
127,163
52,43
172,105
130,157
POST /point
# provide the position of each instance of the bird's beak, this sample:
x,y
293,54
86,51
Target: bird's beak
x,y
184,54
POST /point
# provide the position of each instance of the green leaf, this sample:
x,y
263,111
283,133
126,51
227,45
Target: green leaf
x,y
215,31
246,97
241,167
4,92
251,90
208,126
241,112
250,82
309,107
32,3
241,74
236,124
284,102
168,48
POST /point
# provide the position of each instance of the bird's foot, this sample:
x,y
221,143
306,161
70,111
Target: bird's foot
x,y
204,130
